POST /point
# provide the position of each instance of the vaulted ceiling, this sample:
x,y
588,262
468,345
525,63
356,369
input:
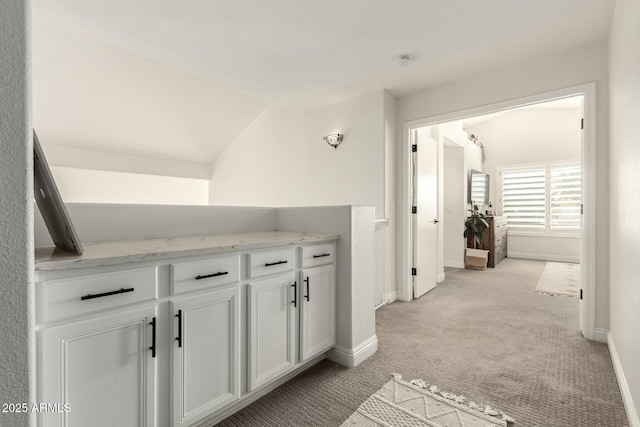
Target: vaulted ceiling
x,y
182,79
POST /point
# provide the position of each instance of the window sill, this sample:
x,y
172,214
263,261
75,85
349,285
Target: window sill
x,y
543,234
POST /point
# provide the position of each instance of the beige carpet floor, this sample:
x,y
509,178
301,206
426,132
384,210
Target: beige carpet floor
x,y
484,334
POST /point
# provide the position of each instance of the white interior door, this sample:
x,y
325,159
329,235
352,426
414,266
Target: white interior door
x,y
425,221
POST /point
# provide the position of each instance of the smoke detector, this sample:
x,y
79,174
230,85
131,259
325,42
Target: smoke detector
x,y
402,60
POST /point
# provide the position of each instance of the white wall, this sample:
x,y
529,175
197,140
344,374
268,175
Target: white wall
x,y
105,223
459,156
579,66
389,184
281,159
625,200
455,182
532,135
17,349
99,186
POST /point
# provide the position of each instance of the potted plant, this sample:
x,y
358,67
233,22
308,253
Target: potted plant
x,y
475,226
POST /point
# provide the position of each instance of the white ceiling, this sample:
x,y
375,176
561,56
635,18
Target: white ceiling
x,y
302,53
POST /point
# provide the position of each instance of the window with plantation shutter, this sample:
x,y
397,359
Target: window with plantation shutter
x,y
524,198
565,197
542,198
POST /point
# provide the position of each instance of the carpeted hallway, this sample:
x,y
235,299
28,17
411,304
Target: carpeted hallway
x,y
484,334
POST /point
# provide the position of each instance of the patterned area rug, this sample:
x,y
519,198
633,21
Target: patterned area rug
x,y
416,404
560,279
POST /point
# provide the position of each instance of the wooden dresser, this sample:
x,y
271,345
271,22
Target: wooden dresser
x,y
497,239
494,240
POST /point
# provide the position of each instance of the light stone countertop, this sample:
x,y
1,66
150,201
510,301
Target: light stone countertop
x,y
124,252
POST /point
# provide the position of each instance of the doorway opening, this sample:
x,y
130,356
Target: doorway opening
x,y
546,212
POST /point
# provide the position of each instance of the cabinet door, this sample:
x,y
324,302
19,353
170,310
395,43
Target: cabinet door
x,y
272,331
318,311
104,368
206,354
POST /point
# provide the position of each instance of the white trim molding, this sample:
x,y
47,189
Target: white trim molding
x,y
601,335
355,356
440,277
632,412
588,159
454,264
543,257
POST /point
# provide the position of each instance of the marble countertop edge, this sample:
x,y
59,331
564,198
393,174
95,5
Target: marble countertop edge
x,y
125,252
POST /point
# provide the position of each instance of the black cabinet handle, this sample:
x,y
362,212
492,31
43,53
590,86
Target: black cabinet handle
x,y
295,294
179,338
153,338
106,294
220,273
269,264
320,256
307,282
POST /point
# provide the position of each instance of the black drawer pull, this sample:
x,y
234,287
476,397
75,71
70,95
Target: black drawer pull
x,y
106,294
269,264
307,282
179,338
220,273
153,338
295,294
320,256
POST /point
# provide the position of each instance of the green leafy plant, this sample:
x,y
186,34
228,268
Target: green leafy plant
x,y
475,225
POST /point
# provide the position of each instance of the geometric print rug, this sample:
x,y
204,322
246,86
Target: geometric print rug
x,y
416,404
559,279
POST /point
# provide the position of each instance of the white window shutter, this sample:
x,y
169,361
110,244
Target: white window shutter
x,y
524,198
565,197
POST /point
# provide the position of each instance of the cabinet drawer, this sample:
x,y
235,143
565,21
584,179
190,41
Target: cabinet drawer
x,y
87,294
501,224
269,262
194,275
318,254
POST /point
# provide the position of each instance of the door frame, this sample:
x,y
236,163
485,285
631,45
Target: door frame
x,y
588,154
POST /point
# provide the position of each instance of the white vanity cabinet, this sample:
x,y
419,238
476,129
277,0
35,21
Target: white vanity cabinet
x,y
104,368
205,354
317,311
291,315
180,339
272,328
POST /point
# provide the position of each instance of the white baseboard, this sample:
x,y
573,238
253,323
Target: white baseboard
x,y
392,296
600,335
543,257
355,356
454,264
440,277
632,412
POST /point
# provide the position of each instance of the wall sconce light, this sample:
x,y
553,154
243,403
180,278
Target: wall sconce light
x,y
334,139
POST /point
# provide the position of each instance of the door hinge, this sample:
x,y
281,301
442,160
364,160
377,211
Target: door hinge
x,y
414,271
581,209
414,209
580,293
581,123
414,148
